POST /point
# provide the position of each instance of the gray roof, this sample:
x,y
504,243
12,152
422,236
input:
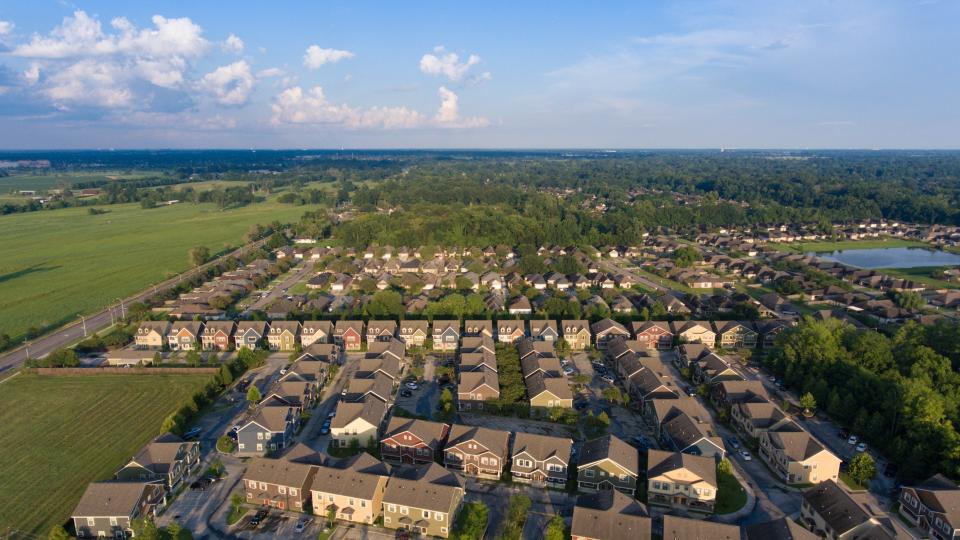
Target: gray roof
x,y
607,325
471,380
542,447
278,471
380,385
610,515
613,448
494,440
159,454
685,430
549,366
111,499
678,528
837,508
431,488
370,409
538,384
778,529
660,462
274,417
795,442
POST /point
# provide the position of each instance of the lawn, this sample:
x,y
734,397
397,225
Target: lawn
x,y
921,274
60,433
59,263
43,180
852,484
730,494
847,244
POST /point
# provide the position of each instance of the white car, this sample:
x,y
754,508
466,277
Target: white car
x,y
412,385
852,440
862,447
745,455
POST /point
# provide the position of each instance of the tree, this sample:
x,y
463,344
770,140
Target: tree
x,y
472,521
862,468
145,529
253,396
62,358
556,529
199,255
193,358
808,402
613,395
173,530
725,467
686,256
58,532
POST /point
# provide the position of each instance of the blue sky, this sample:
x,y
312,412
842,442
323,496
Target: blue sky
x,y
758,74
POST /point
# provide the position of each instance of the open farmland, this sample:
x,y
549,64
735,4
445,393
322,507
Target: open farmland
x,y
62,432
60,263
43,180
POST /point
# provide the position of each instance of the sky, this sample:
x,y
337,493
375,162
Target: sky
x,y
360,74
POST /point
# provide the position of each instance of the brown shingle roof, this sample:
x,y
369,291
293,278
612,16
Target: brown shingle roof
x,y
613,448
111,499
278,471
610,515
678,528
542,447
493,440
431,488
778,529
429,432
660,462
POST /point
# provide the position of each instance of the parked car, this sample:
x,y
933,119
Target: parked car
x,y
199,485
852,440
608,379
567,370
412,385
745,455
862,447
406,393
332,413
301,525
192,433
734,443
325,427
257,518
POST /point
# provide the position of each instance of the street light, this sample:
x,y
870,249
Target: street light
x,y
123,314
84,321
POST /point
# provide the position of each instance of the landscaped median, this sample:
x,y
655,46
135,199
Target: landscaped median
x,y
731,496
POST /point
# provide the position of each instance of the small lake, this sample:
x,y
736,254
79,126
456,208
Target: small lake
x,y
901,257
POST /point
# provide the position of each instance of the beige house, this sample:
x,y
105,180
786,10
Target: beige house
x,y
695,332
423,500
681,481
358,421
152,334
736,334
283,335
184,336
548,392
353,490
414,333
608,463
576,333
540,460
797,456
315,332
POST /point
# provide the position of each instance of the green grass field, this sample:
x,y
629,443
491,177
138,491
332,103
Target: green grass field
x,y
42,180
921,274
847,244
57,264
61,433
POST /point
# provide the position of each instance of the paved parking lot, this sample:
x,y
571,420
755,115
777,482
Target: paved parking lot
x,y
277,525
361,533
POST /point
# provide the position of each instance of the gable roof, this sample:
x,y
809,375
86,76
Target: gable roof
x,y
837,508
610,515
613,448
538,384
794,441
778,529
471,380
494,440
278,471
274,417
346,481
410,327
679,528
159,454
660,462
429,432
608,325
111,499
574,326
542,447
431,488
370,410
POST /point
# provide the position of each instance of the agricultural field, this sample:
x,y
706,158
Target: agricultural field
x,y
60,433
58,264
48,179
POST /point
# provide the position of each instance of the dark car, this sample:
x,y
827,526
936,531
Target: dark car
x,y
406,393
199,485
256,519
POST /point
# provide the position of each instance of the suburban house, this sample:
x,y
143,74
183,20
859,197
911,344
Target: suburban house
x,y
932,506
482,344
477,328
381,331
477,361
315,332
217,335
386,364
283,335
830,512
752,418
358,421
735,335
653,334
249,334
548,392
608,463
107,509
412,441
353,489
618,347
605,330
540,460
348,334
779,529
693,434
422,500
609,515
520,306
681,481
278,483
414,333
695,332
477,451
544,330
379,387
797,456
680,528
726,394
446,335
168,460
576,333
477,386
769,330
712,369
272,428
295,393
184,336
328,353
509,331
151,334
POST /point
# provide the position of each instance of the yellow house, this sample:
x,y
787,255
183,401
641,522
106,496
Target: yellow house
x,y
681,481
797,456
354,493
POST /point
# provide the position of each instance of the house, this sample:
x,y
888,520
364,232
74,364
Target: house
x,y
476,387
520,306
735,335
754,417
386,364
476,328
217,335
359,421
548,392
348,335
481,344
606,330
412,441
315,332
712,369
779,529
608,463
249,334
184,335
352,489
726,394
379,387
609,515
271,429
693,434
131,357
414,333
681,481
653,334
278,483
509,331
830,512
680,528
652,382
769,330
477,361
695,332
540,460
796,455
422,500
381,331
167,460
576,332
932,506
108,509
618,347
328,353
545,330
477,451
151,334
446,335
283,335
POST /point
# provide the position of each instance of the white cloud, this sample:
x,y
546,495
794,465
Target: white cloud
x,y
230,84
315,57
296,106
32,74
270,73
6,28
233,44
89,82
447,64
179,121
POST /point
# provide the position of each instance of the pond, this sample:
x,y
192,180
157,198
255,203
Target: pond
x,y
901,257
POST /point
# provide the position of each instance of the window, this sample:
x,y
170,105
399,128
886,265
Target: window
x,y
623,478
293,492
443,530
330,498
588,473
391,508
91,522
352,502
283,490
252,484
553,467
363,504
113,522
404,510
437,515
426,514
260,436
526,463
386,519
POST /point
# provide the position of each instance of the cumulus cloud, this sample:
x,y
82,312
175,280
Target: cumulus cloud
x,y
296,106
315,57
233,44
447,64
6,28
270,72
32,74
230,84
89,82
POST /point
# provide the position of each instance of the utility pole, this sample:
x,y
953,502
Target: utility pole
x,y
27,345
84,321
123,314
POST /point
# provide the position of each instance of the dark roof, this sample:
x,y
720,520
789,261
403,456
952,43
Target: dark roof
x,y
837,508
610,515
660,462
613,448
111,499
778,529
678,528
278,471
431,488
542,447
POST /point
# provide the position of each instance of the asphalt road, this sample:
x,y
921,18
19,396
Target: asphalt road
x,y
280,289
71,333
615,269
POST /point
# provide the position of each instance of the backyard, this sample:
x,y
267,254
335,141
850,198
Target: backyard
x,y
62,432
